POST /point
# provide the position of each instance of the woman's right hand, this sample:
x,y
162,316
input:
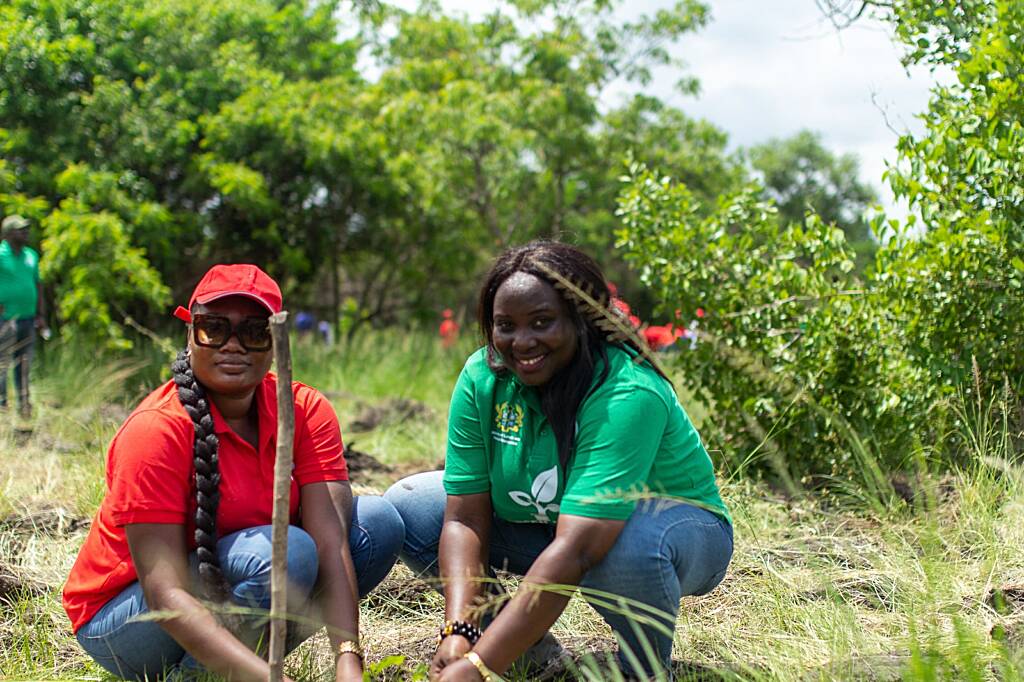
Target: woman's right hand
x,y
452,648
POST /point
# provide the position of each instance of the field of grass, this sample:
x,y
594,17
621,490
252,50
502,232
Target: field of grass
x,y
821,587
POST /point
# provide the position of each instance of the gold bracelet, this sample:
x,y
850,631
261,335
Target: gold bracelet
x,y
486,673
349,647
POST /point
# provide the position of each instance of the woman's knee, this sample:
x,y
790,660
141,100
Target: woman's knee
x,y
681,548
246,558
378,519
420,501
303,559
416,494
133,649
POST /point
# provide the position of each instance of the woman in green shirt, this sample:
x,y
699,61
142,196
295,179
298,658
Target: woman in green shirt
x,y
569,461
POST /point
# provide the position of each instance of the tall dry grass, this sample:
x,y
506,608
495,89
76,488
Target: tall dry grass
x,y
823,586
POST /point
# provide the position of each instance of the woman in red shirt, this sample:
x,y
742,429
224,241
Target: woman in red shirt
x,y
184,528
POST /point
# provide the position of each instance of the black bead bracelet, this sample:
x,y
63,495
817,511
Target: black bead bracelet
x,y
461,628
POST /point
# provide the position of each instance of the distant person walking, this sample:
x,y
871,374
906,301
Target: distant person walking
x,y
21,308
326,331
449,329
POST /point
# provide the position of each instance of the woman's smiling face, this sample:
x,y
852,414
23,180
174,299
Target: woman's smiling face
x,y
532,329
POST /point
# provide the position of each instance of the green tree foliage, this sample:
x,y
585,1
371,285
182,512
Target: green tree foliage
x,y
102,111
965,177
801,175
813,372
89,239
160,137
168,135
507,117
794,355
515,112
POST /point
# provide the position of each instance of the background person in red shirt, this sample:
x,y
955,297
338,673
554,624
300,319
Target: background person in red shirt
x,y
661,337
184,526
449,329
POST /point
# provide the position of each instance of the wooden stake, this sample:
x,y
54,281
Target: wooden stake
x,y
282,492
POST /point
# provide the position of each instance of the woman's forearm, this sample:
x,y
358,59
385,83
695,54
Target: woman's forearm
x,y
340,598
159,552
461,561
534,608
209,642
339,594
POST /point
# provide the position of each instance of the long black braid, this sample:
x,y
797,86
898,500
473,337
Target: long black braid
x,y
193,399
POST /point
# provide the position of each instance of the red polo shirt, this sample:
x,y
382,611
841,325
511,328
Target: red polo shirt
x,y
150,479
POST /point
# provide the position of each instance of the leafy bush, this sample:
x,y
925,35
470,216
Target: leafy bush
x,y
846,376
796,355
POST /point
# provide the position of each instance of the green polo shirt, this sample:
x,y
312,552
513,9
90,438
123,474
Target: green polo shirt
x,y
633,440
19,275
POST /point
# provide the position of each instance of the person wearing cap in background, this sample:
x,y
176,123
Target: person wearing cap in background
x,y
185,525
21,308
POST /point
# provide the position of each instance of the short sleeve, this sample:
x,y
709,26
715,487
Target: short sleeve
x,y
465,464
318,446
618,438
149,470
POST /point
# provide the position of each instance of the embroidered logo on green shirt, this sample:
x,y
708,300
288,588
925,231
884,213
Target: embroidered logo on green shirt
x,y
509,421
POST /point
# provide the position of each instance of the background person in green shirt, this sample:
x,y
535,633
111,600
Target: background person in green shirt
x,y
570,462
21,308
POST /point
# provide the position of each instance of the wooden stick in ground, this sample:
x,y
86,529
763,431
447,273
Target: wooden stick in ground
x,y
282,491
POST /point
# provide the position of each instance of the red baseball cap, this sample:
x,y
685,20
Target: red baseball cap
x,y
237,279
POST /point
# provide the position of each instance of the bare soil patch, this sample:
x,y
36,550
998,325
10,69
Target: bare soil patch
x,y
390,412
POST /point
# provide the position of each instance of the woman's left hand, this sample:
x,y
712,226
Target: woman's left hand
x,y
349,669
460,671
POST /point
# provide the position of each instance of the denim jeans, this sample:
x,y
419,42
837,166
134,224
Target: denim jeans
x,y
17,338
136,649
667,550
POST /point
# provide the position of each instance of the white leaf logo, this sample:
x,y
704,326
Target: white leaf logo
x,y
545,486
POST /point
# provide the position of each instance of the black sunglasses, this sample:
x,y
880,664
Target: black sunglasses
x,y
213,331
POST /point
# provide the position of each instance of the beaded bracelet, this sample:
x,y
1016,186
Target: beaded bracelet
x,y
461,628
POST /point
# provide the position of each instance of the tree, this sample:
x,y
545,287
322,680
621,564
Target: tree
x,y
961,281
167,135
800,175
113,97
646,131
816,375
516,111
508,119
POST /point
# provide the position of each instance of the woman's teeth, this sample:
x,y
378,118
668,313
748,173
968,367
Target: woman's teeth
x,y
532,362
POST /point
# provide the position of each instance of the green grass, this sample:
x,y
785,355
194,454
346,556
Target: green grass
x,y
821,587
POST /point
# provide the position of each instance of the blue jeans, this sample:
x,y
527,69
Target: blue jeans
x,y
666,550
17,338
136,650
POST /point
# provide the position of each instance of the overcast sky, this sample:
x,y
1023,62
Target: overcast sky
x,y
770,68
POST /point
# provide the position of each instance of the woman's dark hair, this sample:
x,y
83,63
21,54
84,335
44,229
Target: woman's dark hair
x,y
562,396
205,444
